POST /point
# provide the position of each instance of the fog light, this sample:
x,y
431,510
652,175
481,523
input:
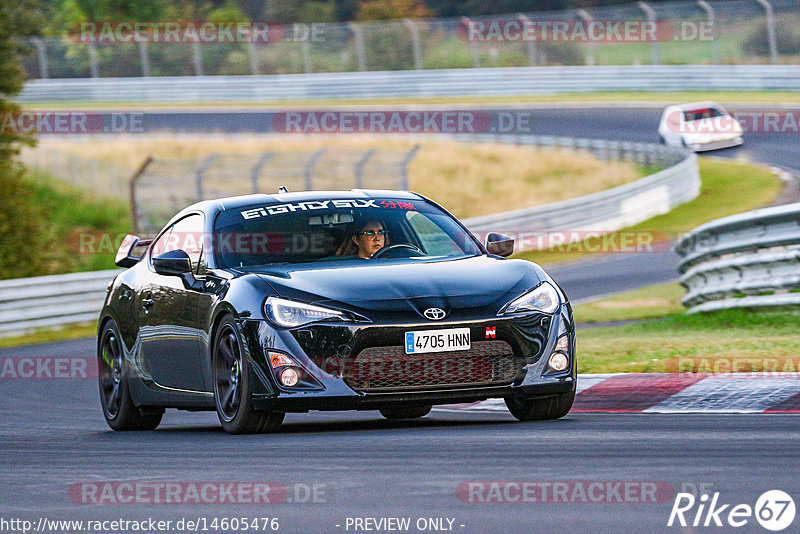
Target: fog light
x,y
558,361
289,377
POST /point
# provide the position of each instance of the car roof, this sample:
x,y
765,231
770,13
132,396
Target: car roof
x,y
228,203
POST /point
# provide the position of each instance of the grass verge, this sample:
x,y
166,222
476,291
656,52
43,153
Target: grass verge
x,y
52,220
720,342
652,301
69,214
79,331
728,187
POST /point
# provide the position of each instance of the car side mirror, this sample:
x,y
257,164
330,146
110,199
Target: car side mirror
x,y
499,244
173,263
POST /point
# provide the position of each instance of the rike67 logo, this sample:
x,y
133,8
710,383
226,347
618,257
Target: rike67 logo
x,y
774,510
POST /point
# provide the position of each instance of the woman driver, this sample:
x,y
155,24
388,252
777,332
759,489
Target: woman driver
x,y
368,239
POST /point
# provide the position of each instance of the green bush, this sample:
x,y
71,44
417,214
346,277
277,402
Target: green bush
x,y
42,221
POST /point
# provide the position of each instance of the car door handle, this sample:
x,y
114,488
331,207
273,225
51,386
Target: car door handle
x,y
147,303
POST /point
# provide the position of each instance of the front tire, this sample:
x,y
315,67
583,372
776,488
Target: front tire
x,y
553,407
406,412
232,377
115,397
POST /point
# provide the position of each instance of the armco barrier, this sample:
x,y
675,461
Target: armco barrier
x,y
51,301
477,82
747,260
61,300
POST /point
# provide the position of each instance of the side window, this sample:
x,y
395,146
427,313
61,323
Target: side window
x,y
187,235
161,245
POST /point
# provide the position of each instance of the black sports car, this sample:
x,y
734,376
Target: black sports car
x,y
259,305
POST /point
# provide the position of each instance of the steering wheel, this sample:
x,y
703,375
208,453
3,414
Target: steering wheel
x,y
398,246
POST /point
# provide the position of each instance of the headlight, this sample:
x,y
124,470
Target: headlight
x,y
290,313
543,298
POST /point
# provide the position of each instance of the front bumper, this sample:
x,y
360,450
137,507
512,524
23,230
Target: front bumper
x,y
532,338
378,401
715,144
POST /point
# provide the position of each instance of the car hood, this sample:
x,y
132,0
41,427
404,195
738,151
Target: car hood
x,y
469,283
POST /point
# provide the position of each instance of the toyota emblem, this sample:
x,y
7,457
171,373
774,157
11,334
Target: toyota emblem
x,y
434,314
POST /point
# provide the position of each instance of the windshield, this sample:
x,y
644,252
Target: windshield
x,y
342,230
699,114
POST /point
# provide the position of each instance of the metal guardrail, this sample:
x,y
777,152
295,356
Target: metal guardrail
x,y
51,301
747,260
62,300
479,82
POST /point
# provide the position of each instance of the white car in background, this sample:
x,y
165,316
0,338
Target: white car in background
x,y
699,126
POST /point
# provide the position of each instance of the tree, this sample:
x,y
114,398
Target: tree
x,y
21,231
392,9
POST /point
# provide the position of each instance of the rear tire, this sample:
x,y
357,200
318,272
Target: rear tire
x,y
232,377
115,397
407,412
553,407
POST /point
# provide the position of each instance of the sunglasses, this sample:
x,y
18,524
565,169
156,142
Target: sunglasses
x,y
370,233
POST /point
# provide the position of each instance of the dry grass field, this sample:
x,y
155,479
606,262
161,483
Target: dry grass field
x,y
470,179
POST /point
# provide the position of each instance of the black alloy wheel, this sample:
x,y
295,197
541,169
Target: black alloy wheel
x,y
232,378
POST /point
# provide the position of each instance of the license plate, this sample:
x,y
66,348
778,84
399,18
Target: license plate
x,y
437,340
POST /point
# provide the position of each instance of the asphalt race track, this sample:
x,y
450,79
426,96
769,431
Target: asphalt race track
x,y
53,438
626,123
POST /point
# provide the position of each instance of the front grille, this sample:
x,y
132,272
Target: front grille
x,y
391,369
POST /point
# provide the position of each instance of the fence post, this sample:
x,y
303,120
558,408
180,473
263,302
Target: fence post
x,y
251,55
256,170
305,48
713,24
144,58
590,59
201,170
134,179
308,168
404,167
93,67
358,33
773,43
415,42
530,45
360,166
41,52
197,59
651,16
473,46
